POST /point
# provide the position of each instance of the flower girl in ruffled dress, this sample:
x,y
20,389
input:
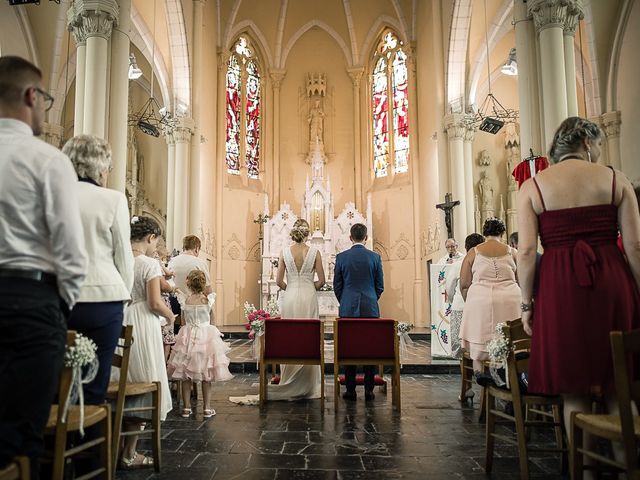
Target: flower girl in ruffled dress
x,y
199,354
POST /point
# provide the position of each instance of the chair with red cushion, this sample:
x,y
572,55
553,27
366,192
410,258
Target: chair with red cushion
x,y
367,341
293,342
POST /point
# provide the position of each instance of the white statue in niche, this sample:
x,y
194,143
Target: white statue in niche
x,y
513,157
316,123
486,191
485,159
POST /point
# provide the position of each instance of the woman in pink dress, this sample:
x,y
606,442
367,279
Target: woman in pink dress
x,y
488,285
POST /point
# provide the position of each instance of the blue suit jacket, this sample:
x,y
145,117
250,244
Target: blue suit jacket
x,y
358,282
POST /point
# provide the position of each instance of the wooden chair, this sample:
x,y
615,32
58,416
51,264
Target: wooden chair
x,y
367,341
294,342
16,470
623,428
118,391
60,427
520,343
466,375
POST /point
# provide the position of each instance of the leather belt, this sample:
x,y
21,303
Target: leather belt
x,y
36,275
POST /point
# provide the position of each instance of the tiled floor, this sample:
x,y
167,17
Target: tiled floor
x,y
434,438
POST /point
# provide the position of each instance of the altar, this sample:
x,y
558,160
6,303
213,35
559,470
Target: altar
x,y
330,233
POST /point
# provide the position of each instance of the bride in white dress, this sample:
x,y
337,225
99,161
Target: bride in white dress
x,y
301,263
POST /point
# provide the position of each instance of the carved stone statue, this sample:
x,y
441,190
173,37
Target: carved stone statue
x,y
486,192
513,157
316,123
485,159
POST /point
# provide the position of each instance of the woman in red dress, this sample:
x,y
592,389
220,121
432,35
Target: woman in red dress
x,y
586,286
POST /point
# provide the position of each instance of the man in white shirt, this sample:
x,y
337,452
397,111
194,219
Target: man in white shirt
x,y
187,261
42,261
453,255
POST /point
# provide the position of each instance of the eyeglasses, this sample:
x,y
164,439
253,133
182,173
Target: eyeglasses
x,y
47,98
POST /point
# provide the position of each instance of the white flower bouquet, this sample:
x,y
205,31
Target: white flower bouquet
x,y
498,349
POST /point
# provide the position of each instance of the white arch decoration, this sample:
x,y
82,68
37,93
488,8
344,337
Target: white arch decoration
x,y
382,22
457,51
322,25
403,21
257,36
499,27
179,53
230,21
614,59
346,5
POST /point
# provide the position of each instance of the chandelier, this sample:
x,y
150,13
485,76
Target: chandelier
x,y
492,115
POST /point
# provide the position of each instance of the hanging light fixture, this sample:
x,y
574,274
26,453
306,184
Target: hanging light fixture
x,y
491,116
151,118
134,70
511,66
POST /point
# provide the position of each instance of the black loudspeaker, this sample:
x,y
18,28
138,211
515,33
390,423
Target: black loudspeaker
x,y
491,125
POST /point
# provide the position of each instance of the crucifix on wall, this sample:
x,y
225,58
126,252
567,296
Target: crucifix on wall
x,y
447,207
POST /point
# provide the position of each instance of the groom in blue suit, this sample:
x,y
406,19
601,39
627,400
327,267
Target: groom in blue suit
x,y
358,284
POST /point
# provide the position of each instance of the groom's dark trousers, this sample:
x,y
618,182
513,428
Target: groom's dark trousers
x,y
358,283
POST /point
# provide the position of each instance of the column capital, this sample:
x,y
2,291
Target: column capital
x,y
201,2
183,130
455,126
355,74
276,77
92,18
553,13
223,59
168,136
611,122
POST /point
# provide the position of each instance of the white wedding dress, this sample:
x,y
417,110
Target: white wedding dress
x,y
300,300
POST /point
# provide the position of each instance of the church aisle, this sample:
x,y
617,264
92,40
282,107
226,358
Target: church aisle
x,y
434,438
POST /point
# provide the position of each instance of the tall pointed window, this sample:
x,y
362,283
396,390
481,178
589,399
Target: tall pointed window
x,y
390,107
243,109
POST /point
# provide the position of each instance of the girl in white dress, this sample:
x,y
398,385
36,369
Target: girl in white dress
x,y
199,354
147,313
301,263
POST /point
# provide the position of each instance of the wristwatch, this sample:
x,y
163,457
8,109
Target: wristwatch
x,y
526,307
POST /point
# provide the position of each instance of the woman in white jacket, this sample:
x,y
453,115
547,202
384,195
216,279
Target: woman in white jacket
x,y
105,220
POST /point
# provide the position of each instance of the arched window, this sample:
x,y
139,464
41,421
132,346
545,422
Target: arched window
x,y
390,107
243,109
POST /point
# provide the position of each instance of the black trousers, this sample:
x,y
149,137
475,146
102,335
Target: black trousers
x,y
32,339
102,323
350,377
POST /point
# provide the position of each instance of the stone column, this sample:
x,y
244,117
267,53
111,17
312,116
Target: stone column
x,y
549,17
611,125
79,36
455,128
574,15
221,169
96,18
119,96
468,206
276,81
356,76
182,137
171,187
527,79
195,173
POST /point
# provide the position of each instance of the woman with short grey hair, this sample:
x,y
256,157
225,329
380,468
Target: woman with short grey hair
x,y
91,158
105,220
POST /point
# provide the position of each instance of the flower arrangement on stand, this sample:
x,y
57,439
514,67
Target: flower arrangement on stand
x,y
81,356
498,349
255,322
405,340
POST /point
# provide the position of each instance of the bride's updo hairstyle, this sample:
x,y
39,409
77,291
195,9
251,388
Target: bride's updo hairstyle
x,y
570,136
300,231
143,226
196,281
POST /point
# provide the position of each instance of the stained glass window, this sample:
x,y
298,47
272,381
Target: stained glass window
x,y
390,80
252,134
243,109
233,117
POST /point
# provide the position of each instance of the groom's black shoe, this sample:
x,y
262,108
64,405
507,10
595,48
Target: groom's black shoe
x,y
349,395
369,396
